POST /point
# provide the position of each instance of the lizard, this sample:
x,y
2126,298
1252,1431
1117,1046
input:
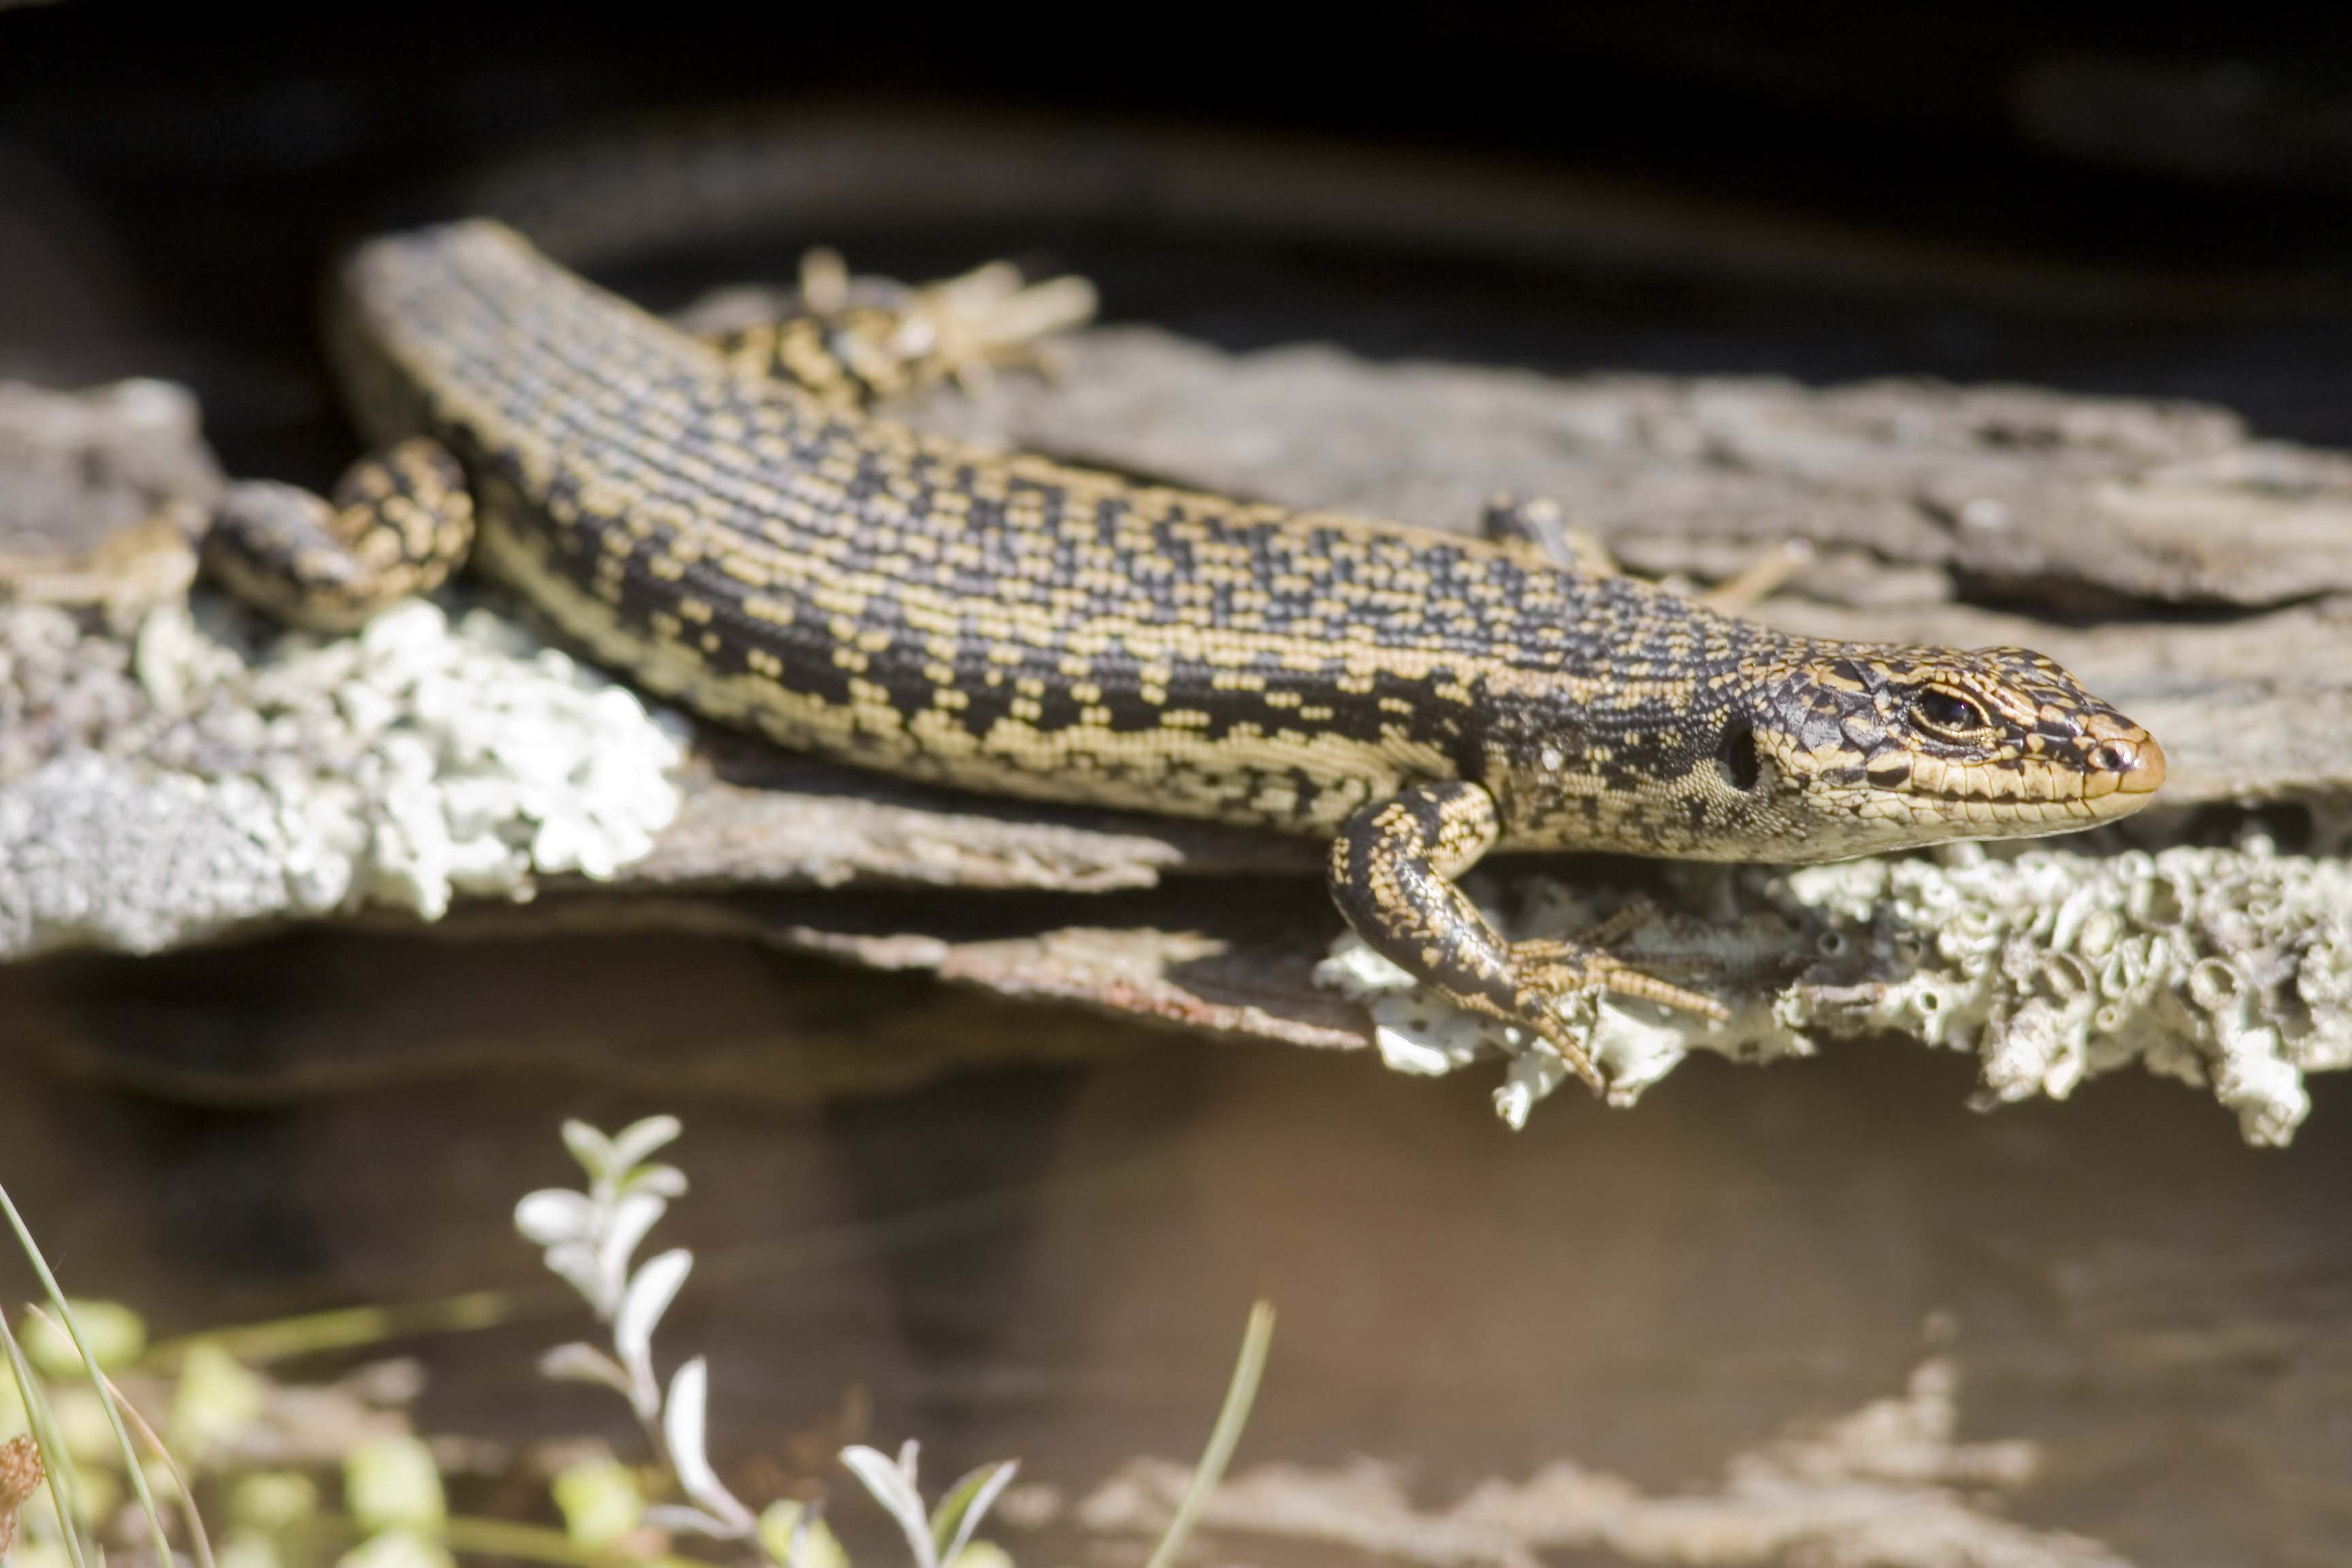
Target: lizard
x,y
732,523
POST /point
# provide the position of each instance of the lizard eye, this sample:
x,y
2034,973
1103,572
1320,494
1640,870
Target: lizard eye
x,y
1954,716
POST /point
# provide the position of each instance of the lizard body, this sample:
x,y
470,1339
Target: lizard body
x,y
777,559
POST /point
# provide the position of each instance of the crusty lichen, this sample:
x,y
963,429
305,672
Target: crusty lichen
x,y
218,773
2226,967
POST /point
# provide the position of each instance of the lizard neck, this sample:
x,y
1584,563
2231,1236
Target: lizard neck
x,y
1638,739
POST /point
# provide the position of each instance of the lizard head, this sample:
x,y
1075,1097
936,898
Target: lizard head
x,y
1849,749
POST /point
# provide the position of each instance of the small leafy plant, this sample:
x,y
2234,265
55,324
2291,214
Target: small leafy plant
x,y
590,1239
68,1454
937,1539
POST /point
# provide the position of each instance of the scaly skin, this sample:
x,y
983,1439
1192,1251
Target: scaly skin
x,y
775,559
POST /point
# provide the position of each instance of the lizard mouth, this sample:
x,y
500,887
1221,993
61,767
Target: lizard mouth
x,y
2118,776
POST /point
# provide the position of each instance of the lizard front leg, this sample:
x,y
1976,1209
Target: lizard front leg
x,y
1393,870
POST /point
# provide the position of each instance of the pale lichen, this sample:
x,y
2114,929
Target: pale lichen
x,y
2227,967
220,772
1891,1485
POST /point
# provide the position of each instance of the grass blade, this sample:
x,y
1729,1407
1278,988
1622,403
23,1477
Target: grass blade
x,y
65,1496
198,1540
359,1328
132,1468
1225,1437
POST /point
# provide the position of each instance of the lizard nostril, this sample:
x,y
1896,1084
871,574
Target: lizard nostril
x,y
2137,765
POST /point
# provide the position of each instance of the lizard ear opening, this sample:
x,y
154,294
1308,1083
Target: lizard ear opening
x,y
1735,755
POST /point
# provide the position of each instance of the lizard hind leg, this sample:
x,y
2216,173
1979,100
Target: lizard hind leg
x,y
1392,871
851,343
399,523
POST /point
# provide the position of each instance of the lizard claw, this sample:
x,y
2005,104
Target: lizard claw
x,y
1562,965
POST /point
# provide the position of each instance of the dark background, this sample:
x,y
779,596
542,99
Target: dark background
x,y
212,161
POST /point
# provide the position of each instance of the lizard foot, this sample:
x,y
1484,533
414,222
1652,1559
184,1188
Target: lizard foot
x,y
854,341
1564,966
